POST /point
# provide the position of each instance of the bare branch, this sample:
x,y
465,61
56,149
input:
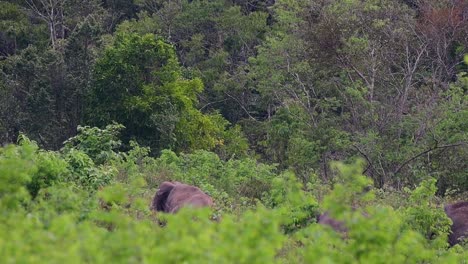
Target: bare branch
x,y
425,152
210,103
240,104
369,162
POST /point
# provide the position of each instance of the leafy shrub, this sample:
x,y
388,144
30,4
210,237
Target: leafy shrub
x,y
297,207
62,198
82,214
40,168
380,235
98,144
17,168
234,144
85,173
424,216
245,177
51,168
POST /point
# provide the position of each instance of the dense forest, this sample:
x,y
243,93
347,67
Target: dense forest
x,y
279,110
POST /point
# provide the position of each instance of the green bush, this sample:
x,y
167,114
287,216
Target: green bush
x,y
98,144
17,168
88,213
296,207
237,177
85,173
51,168
424,216
376,233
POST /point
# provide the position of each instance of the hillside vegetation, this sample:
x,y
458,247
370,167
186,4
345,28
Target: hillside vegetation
x,y
89,203
279,110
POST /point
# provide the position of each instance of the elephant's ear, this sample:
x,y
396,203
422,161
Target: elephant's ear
x,y
159,200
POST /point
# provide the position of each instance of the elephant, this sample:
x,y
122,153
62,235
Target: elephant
x,y
172,196
458,213
338,226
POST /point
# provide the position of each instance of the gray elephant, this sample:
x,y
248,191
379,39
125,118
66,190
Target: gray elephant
x,y
458,213
338,226
172,196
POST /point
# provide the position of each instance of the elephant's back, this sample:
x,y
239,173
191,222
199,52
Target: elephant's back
x,y
183,194
458,213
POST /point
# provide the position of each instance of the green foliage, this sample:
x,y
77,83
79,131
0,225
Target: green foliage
x,y
90,153
28,168
424,216
139,84
296,207
450,135
28,71
98,144
16,169
287,124
278,90
214,46
257,232
45,63
66,221
62,199
85,173
51,168
18,29
234,144
350,190
376,234
294,142
237,177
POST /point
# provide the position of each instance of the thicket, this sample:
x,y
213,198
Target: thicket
x,y
293,83
90,203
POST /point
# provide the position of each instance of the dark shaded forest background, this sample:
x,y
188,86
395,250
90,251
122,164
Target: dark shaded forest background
x,y
293,83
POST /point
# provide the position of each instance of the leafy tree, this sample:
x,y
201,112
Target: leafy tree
x,y
361,88
32,97
98,144
214,46
16,31
138,83
46,72
302,108
449,140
